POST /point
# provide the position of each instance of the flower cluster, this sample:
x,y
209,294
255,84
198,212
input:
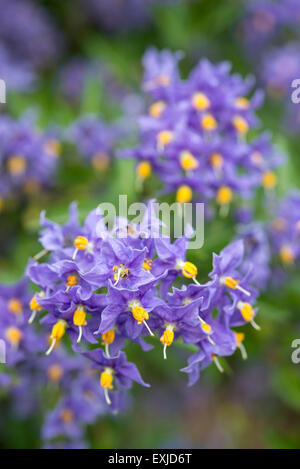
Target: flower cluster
x,y
195,134
106,287
32,380
32,39
285,230
28,157
94,140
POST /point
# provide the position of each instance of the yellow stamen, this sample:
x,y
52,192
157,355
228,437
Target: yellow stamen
x,y
58,331
200,101
206,327
217,161
233,284
184,194
16,165
14,336
108,337
143,170
80,243
241,102
53,148
247,313
167,337
187,161
33,304
106,378
71,281
224,195
147,265
139,314
164,138
163,80
15,306
156,109
55,372
79,319
67,416
269,180
189,270
208,122
240,124
287,255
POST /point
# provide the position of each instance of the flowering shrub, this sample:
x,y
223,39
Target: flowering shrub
x,y
28,158
105,288
195,135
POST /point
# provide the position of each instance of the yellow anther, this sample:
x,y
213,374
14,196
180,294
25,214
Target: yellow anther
x,y
241,102
256,158
55,372
163,80
231,283
79,317
108,337
58,331
206,327
15,306
200,101
184,194
147,265
71,281
189,270
246,311
164,138
216,160
14,336
167,337
80,243
100,161
33,304
240,124
144,169
224,195
239,336
67,416
287,255
106,378
187,161
139,314
53,148
156,109
269,180
16,165
208,122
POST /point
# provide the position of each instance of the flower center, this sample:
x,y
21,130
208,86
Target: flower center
x,y
184,194
156,109
14,336
240,124
208,122
15,306
55,372
188,161
16,165
143,170
200,101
